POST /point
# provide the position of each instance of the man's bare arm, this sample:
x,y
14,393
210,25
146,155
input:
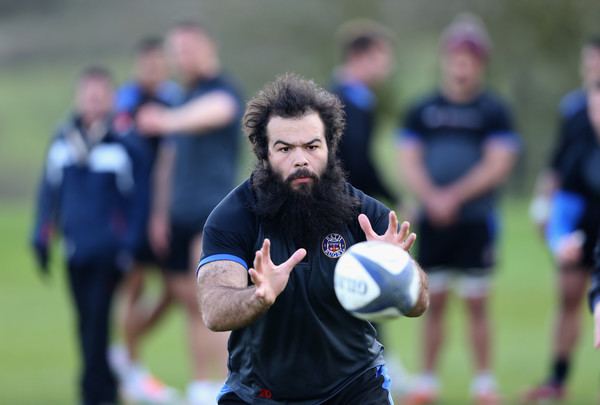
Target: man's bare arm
x,y
226,301
423,301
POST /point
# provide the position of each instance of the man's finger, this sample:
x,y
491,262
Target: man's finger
x,y
410,240
393,223
404,230
266,251
258,261
254,276
294,259
365,225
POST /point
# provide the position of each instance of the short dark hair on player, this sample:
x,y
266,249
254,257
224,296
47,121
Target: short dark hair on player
x,y
149,44
191,26
359,36
291,96
96,72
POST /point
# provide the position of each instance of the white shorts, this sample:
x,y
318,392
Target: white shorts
x,y
464,285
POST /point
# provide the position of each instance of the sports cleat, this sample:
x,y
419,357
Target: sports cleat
x,y
486,398
203,392
544,393
143,387
484,390
420,397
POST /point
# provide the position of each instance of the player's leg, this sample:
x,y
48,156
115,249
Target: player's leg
x,y
435,248
208,350
476,258
93,287
136,319
474,291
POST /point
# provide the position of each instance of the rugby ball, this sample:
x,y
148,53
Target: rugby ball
x,y
376,281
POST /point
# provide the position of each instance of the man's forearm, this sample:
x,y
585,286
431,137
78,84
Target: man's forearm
x,y
227,308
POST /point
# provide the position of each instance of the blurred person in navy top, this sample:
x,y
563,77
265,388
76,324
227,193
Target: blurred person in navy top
x,y
150,85
197,167
367,62
457,146
571,234
91,192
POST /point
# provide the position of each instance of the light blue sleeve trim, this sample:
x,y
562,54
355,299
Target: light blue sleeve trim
x,y
214,258
506,139
566,212
406,137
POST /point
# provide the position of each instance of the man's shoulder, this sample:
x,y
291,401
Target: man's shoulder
x,y
572,103
235,208
493,102
366,204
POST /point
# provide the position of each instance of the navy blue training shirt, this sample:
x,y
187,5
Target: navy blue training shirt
x,y
206,163
355,146
454,137
306,347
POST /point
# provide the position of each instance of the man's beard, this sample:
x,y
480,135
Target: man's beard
x,y
311,211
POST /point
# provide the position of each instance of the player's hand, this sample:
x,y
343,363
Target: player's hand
x,y
152,120
397,236
597,326
570,249
42,256
159,234
442,207
270,280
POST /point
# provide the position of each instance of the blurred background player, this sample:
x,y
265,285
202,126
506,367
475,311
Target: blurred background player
x,y
196,171
457,146
572,103
150,85
367,63
571,233
91,192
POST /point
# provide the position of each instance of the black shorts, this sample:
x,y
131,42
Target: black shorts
x,y
590,230
465,247
371,388
145,255
180,246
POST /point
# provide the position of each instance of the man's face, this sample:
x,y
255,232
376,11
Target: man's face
x,y
461,68
151,68
378,62
190,51
590,65
297,149
94,98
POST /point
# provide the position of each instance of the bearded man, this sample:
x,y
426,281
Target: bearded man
x,y
291,340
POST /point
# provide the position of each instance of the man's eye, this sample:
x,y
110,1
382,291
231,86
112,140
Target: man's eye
x,y
284,149
313,147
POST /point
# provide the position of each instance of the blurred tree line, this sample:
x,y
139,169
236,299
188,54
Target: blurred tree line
x,y
43,43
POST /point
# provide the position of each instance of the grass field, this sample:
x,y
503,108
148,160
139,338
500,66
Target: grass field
x,y
38,358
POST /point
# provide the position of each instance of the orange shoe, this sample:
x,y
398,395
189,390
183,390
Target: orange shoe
x,y
421,397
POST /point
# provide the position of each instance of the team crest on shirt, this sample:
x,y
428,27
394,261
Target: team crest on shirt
x,y
334,245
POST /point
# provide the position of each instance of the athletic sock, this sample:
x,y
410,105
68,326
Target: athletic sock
x,y
559,371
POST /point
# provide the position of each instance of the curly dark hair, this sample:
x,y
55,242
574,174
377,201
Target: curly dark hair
x,y
291,96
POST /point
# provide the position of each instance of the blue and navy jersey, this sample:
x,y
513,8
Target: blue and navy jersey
x,y
454,137
206,163
306,347
130,98
354,150
90,191
576,205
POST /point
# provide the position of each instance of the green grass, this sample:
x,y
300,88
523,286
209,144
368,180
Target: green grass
x,y
38,356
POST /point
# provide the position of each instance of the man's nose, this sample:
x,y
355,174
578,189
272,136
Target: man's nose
x,y
300,159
